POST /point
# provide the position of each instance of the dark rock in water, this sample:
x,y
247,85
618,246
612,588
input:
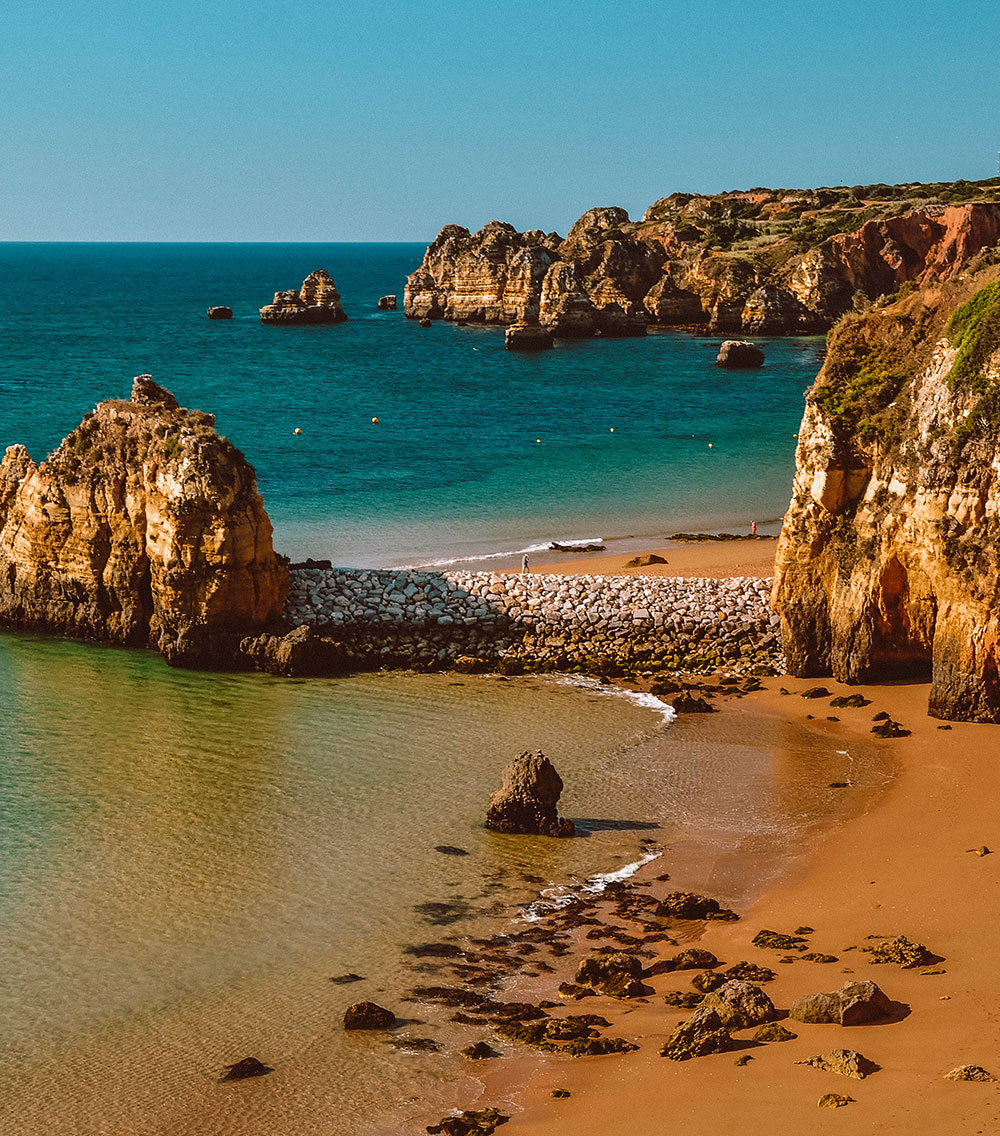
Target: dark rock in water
x,y
692,959
776,941
248,1067
846,1062
426,323
772,1032
890,729
415,1044
851,1005
555,546
527,802
688,905
480,1051
346,979
686,703
482,1122
434,950
367,1016
703,1033
450,850
738,354
740,1005
645,561
220,313
304,651
387,303
527,337
317,301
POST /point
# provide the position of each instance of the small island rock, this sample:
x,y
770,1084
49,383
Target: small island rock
x,y
367,1016
528,799
526,337
387,303
317,301
220,313
738,354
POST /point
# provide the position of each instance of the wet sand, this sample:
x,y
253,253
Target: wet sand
x,y
904,867
704,558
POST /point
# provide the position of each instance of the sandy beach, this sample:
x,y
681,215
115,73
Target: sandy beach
x,y
906,866
703,558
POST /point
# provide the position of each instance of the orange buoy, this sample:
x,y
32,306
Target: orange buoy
x,y
297,430
709,445
612,429
374,421
538,440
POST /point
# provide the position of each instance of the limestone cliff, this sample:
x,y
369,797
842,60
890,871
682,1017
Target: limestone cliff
x,y
888,562
317,301
144,528
761,261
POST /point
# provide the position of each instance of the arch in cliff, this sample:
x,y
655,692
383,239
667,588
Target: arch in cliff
x,y
903,620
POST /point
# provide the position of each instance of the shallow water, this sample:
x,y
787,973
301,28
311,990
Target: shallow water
x,y
186,859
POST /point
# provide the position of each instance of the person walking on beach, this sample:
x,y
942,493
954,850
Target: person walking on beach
x,y
753,528
524,564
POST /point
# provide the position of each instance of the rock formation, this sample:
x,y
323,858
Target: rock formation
x,y
387,303
762,262
889,558
739,353
144,528
526,337
527,802
317,301
220,313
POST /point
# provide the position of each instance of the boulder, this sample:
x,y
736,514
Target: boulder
x,y
834,1100
703,1033
969,1073
709,981
387,303
692,959
846,1062
367,1016
526,337
773,1032
481,1122
688,905
902,952
618,975
248,1067
740,1005
739,354
220,313
851,1005
646,560
528,799
316,302
687,703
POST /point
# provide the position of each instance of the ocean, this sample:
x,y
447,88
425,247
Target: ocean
x,y
478,451
187,859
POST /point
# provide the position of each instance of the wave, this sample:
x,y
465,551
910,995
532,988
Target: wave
x,y
636,697
528,549
551,899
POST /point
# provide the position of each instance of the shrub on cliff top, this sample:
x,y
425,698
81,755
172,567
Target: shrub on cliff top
x,y
974,330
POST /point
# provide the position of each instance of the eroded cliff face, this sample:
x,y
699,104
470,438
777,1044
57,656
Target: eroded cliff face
x,y
767,262
888,562
144,528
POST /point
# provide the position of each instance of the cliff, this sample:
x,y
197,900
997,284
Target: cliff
x,y
888,562
761,261
144,528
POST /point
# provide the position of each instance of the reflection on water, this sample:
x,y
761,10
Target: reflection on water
x,y
186,859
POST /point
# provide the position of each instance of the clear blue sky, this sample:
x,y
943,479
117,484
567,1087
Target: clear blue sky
x,y
218,120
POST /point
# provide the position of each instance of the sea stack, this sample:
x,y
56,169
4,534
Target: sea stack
x,y
144,528
739,354
527,801
317,301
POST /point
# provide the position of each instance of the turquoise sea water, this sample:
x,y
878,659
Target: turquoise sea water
x,y
453,468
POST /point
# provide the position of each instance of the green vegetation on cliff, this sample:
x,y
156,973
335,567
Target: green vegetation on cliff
x,y
974,330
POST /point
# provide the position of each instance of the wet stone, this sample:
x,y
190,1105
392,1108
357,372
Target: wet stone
x,y
248,1067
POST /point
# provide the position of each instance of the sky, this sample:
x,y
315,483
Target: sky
x,y
202,120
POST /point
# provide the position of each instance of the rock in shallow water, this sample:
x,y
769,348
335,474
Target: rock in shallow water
x,y
367,1016
528,799
739,354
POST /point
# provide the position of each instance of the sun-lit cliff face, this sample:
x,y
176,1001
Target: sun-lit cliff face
x,y
768,262
144,528
889,557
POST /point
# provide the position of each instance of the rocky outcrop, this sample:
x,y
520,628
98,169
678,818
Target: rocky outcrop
x,y
888,563
852,1005
736,354
526,337
761,262
317,301
220,313
528,800
387,303
144,528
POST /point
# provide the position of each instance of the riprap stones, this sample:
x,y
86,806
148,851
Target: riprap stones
x,y
317,301
528,799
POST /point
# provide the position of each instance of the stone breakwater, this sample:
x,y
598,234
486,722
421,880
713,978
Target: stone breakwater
x,y
537,622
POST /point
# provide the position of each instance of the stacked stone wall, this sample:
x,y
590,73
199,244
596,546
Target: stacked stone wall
x,y
538,622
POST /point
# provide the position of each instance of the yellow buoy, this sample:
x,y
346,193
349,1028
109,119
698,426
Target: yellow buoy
x,y
374,421
709,445
538,439
297,430
612,429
